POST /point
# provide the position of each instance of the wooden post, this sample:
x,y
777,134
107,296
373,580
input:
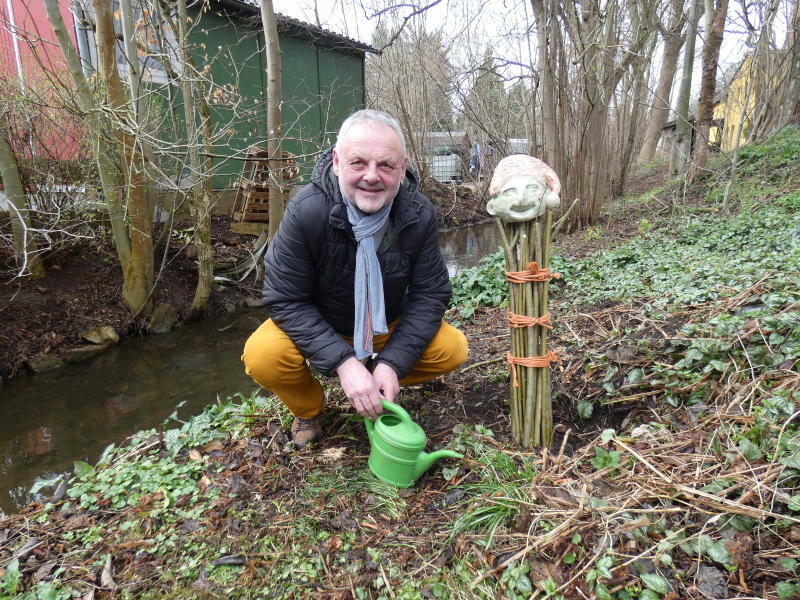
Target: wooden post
x,y
523,191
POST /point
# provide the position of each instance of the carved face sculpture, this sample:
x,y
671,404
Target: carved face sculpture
x,y
522,188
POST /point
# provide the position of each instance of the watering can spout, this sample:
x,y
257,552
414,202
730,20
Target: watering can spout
x,y
370,428
425,460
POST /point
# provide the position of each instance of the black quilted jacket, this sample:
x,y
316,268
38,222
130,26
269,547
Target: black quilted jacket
x,y
310,268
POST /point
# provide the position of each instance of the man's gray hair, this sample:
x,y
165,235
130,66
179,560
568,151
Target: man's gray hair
x,y
367,115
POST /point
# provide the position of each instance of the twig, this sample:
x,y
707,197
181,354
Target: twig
x,y
483,363
563,219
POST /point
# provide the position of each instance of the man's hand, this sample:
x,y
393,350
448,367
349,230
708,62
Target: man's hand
x,y
386,379
360,387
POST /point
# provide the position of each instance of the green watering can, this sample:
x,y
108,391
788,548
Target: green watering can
x,y
397,442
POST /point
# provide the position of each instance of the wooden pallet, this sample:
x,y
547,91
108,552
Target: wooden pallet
x,y
252,191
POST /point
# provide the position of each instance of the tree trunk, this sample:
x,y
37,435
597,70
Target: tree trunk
x,y
791,108
632,123
772,79
138,270
546,85
673,41
708,86
199,199
272,50
132,250
28,259
683,134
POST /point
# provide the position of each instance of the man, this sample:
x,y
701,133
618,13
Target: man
x,y
354,270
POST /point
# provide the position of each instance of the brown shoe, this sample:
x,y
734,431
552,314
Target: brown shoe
x,y
305,431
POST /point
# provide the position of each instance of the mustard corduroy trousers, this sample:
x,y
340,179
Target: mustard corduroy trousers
x,y
275,363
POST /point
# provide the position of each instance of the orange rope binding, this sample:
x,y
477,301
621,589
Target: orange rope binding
x,y
518,321
534,273
530,361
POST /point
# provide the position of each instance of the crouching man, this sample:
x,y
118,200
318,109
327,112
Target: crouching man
x,y
354,271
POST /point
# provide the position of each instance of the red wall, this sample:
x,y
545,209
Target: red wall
x,y
55,133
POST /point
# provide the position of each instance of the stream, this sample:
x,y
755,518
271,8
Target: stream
x,y
52,419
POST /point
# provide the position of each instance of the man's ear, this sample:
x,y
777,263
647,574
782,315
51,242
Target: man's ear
x,y
490,208
335,164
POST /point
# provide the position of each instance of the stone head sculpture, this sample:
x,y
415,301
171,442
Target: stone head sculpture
x,y
522,188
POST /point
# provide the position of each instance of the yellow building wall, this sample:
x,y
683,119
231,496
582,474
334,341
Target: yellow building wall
x,y
731,109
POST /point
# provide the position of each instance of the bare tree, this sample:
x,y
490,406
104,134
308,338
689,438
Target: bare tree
x,y
627,118
545,24
673,38
715,26
413,79
683,129
775,74
199,173
273,54
27,251
603,41
131,222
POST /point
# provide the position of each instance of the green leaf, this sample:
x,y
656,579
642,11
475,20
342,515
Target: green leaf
x,y
11,578
790,564
83,470
784,589
717,365
610,372
749,450
604,565
794,503
600,458
549,586
792,461
598,502
602,592
694,354
523,585
655,582
634,376
739,523
716,486
585,409
47,592
44,483
715,550
607,435
649,595
449,472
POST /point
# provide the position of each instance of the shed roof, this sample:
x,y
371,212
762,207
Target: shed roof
x,y
301,29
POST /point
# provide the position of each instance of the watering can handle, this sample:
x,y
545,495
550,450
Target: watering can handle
x,y
397,409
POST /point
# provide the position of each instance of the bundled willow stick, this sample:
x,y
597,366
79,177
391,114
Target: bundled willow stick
x,y
523,191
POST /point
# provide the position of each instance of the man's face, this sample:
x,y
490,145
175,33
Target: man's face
x,y
370,165
520,199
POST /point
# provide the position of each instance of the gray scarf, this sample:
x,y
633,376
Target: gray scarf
x,y
370,310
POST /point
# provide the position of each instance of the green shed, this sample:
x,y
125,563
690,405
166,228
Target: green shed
x,y
322,80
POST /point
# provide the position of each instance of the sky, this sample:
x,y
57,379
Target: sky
x,y
476,23
502,23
